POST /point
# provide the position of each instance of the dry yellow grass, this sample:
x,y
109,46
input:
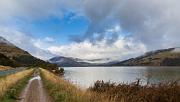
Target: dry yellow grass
x,y
134,92
62,90
4,68
10,80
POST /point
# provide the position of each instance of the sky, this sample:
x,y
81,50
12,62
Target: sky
x,y
90,29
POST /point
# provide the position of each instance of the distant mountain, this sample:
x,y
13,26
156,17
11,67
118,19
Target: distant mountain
x,y
13,56
163,57
76,62
69,62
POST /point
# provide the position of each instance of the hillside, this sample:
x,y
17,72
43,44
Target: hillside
x,y
13,56
5,61
164,57
76,62
69,62
10,50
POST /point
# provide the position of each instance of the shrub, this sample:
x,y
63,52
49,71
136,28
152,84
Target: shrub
x,y
162,92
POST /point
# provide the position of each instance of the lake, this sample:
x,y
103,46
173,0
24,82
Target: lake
x,y
85,77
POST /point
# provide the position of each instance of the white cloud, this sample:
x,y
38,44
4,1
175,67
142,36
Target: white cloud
x,y
26,42
49,39
153,24
116,29
30,9
121,49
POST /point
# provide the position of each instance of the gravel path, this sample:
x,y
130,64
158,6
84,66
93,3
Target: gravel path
x,y
34,91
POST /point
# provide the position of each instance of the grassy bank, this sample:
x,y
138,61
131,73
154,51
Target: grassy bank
x,y
11,85
63,91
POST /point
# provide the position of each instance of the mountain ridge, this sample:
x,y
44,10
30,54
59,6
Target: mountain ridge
x,y
4,41
12,55
162,57
68,62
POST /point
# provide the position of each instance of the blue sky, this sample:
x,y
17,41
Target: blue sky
x,y
90,29
60,29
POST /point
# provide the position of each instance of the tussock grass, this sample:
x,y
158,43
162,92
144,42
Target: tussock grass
x,y
63,91
10,80
163,92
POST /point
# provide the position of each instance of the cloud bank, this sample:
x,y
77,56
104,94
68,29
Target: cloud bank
x,y
140,24
35,46
121,49
155,23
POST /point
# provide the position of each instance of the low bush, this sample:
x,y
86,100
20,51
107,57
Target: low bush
x,y
162,92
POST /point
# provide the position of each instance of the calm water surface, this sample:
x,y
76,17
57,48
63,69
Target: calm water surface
x,y
85,77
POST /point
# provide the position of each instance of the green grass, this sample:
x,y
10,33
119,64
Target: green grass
x,y
12,93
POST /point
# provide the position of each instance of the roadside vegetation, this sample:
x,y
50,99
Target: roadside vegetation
x,y
63,91
134,92
12,85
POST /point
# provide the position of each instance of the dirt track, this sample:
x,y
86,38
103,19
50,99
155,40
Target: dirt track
x,y
34,91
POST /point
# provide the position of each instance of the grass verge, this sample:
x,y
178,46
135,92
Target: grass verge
x,y
11,85
63,91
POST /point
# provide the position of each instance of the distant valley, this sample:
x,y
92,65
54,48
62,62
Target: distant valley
x,y
70,62
163,57
10,55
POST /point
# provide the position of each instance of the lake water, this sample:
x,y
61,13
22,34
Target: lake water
x,y
85,77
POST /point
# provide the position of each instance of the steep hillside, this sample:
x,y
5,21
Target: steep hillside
x,y
13,56
5,61
10,50
164,57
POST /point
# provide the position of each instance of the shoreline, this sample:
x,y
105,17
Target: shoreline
x,y
62,90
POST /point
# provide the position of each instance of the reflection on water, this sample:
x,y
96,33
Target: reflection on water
x,y
86,76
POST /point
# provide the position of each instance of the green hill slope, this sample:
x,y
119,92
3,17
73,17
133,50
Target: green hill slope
x,y
164,57
13,56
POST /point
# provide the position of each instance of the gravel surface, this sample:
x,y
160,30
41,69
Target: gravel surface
x,y
34,91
